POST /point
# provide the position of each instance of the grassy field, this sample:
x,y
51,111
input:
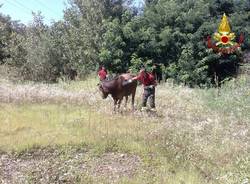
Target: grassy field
x,y
65,133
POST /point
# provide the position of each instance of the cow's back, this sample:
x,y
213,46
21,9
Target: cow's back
x,y
117,88
128,88
127,76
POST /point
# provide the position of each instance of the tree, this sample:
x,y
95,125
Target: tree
x,y
176,37
88,24
166,33
5,34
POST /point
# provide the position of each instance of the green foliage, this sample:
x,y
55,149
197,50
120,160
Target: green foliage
x,y
173,33
5,34
168,33
112,52
37,65
138,63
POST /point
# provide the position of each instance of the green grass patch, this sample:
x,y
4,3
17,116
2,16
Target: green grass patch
x,y
27,125
201,135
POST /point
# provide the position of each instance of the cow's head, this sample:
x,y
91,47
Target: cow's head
x,y
103,91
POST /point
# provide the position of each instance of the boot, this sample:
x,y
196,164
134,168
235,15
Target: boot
x,y
153,109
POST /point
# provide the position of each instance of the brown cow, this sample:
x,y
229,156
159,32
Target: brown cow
x,y
119,88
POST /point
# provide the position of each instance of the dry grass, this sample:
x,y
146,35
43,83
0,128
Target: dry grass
x,y
197,136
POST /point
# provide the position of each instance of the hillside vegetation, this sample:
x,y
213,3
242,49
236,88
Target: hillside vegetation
x,y
55,128
168,34
65,132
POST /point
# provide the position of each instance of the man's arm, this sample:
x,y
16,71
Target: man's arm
x,y
134,78
153,81
98,73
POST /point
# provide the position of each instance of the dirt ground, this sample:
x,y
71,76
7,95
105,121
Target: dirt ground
x,y
55,166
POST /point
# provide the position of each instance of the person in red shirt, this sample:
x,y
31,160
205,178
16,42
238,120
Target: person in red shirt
x,y
102,73
148,81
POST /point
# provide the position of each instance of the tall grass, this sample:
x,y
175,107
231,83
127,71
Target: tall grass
x,y
27,125
197,136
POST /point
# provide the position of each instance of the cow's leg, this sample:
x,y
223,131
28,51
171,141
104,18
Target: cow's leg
x,y
126,101
119,103
133,100
115,103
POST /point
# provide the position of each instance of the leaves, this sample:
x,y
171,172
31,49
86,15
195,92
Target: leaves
x,y
168,33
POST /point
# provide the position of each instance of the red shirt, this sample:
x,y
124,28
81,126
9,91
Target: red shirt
x,y
102,74
147,79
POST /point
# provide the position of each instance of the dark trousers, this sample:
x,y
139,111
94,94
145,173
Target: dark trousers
x,y
149,93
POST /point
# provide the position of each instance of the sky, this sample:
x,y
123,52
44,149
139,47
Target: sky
x,y
21,9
